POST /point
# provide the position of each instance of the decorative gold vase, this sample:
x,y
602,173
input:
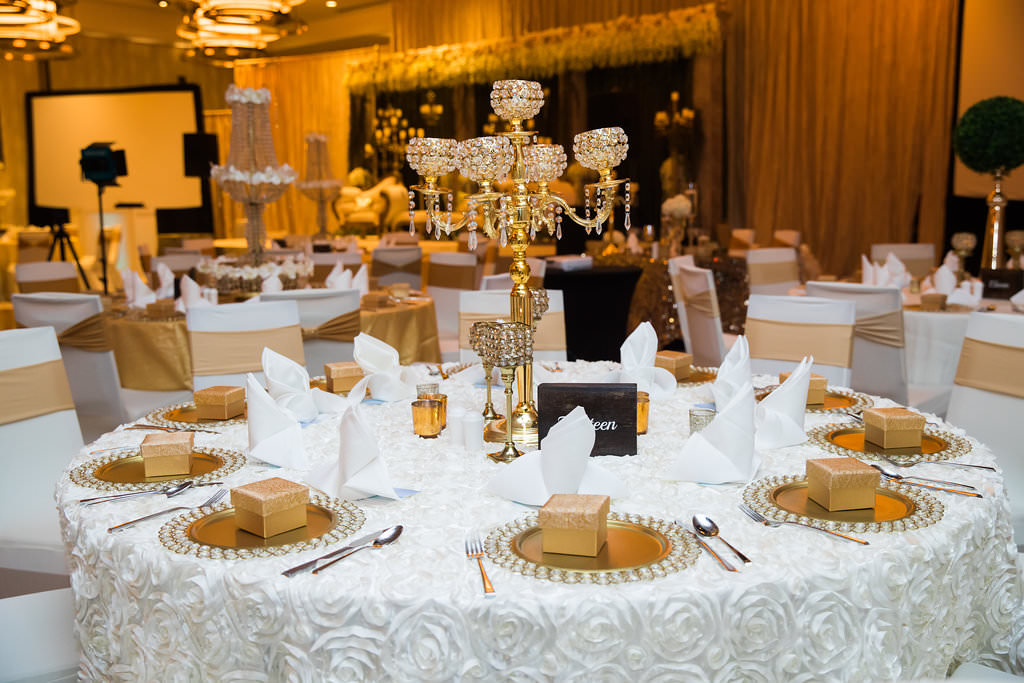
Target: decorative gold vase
x,y
992,253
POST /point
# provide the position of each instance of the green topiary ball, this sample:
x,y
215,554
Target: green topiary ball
x,y
990,135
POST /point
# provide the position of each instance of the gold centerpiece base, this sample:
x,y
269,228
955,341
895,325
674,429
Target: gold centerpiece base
x,y
507,454
494,432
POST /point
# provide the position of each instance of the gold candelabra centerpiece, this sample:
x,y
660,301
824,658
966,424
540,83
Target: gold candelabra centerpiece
x,y
963,244
515,217
506,346
391,131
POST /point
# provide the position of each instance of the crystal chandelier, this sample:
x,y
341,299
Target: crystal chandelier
x,y
34,29
516,217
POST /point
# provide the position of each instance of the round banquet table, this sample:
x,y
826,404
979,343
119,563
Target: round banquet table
x,y
910,605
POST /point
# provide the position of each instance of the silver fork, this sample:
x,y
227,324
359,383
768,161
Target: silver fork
x,y
761,519
937,484
947,463
213,500
475,550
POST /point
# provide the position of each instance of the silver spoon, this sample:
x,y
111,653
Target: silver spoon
x,y
705,526
389,535
170,492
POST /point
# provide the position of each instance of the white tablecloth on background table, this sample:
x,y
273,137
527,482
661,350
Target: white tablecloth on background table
x,y
933,342
808,608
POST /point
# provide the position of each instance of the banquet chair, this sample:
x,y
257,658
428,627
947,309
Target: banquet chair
x,y
203,244
482,247
227,341
499,281
330,323
782,330
673,264
549,339
397,264
918,258
399,238
741,240
47,276
40,436
100,401
33,245
180,264
772,271
786,238
988,397
697,304
449,274
538,268
39,642
324,262
183,251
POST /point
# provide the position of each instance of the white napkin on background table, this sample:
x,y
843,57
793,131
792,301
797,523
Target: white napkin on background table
x,y
943,281
358,471
387,379
1017,301
733,373
724,450
951,261
562,465
137,293
637,357
361,280
780,415
191,295
288,385
274,435
166,277
272,284
967,294
340,277
898,275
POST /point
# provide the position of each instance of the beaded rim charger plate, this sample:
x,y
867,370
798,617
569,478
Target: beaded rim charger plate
x,y
897,507
122,469
638,548
183,416
213,533
836,400
847,439
699,375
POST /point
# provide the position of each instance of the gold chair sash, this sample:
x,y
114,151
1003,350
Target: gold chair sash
x,y
34,390
777,340
380,268
454,277
343,328
88,334
884,328
991,367
739,243
69,284
703,302
550,334
151,355
230,353
773,273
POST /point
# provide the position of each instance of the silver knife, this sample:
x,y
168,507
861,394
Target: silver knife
x,y
362,540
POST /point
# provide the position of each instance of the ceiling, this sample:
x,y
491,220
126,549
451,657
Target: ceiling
x,y
353,23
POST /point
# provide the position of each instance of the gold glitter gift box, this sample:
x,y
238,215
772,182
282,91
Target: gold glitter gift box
x,y
841,483
815,388
341,377
676,362
574,524
270,507
167,454
893,427
219,403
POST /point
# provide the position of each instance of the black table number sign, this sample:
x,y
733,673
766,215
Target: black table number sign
x,y
610,407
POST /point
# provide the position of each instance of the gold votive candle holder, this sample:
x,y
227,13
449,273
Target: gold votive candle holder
x,y
700,418
443,400
643,411
426,418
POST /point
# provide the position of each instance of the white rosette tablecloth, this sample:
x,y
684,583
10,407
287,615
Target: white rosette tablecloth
x,y
908,606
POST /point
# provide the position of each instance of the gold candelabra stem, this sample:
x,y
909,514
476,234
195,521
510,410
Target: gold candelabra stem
x,y
489,412
509,452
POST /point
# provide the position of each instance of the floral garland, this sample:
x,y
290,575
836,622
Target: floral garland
x,y
620,42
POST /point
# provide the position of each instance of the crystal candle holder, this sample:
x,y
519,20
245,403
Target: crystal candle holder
x,y
601,149
431,157
484,160
540,304
1015,245
516,100
700,418
544,163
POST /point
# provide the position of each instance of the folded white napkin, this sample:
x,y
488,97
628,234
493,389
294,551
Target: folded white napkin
x,y
137,293
951,261
868,270
637,357
166,277
387,379
288,385
358,471
274,435
724,450
943,281
272,284
898,275
191,295
633,244
562,465
780,415
361,280
733,373
967,294
1017,301
340,277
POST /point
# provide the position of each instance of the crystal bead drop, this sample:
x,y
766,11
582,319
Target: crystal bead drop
x,y
533,231
558,229
472,237
503,236
412,225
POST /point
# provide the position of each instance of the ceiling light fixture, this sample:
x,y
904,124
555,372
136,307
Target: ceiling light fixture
x,y
246,11
225,30
34,29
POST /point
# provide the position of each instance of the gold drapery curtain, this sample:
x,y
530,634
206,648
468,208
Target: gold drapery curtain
x,y
226,213
840,122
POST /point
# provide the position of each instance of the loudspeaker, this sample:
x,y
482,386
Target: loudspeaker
x,y
200,153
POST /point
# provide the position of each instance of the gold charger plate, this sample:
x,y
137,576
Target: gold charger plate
x,y
131,470
183,416
122,469
951,308
836,400
639,548
898,507
847,439
213,533
699,375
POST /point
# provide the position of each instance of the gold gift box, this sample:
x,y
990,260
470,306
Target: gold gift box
x,y
161,308
341,377
167,454
676,362
893,427
933,301
841,483
375,300
815,388
270,507
400,290
219,403
574,524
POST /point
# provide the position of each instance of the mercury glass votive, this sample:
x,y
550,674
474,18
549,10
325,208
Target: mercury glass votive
x,y
601,149
431,157
643,411
485,159
426,418
700,418
544,163
443,400
516,100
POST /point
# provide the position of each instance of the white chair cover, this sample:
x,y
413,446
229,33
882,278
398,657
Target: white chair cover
x,y
740,241
538,267
918,258
317,306
674,264
878,368
446,299
47,271
496,302
240,318
992,417
386,259
500,281
39,642
702,333
805,310
324,261
773,271
35,452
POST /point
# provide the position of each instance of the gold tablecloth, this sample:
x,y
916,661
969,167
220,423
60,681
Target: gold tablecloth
x,y
410,327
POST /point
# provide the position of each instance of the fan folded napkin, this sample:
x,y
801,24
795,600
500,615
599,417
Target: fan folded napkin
x,y
967,294
637,355
898,274
891,274
780,415
724,450
562,465
361,281
951,261
943,281
272,284
191,295
275,436
386,378
358,471
288,385
1017,301
340,277
733,373
137,294
166,277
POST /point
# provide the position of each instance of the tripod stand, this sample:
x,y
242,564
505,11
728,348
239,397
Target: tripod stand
x,y
103,238
61,237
